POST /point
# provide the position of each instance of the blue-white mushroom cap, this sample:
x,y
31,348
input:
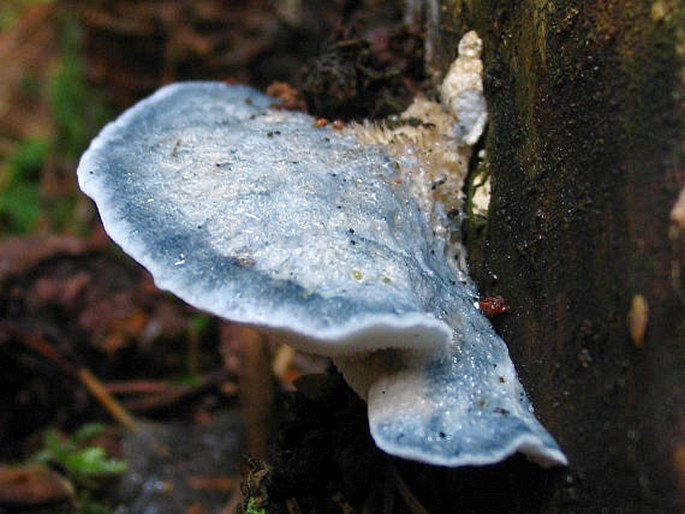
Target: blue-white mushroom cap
x,y
255,215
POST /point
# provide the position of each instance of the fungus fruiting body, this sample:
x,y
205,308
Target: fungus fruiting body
x,y
258,216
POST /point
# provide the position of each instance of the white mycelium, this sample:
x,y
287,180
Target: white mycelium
x,y
255,215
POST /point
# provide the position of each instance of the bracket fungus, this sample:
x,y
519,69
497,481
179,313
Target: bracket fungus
x,y
255,215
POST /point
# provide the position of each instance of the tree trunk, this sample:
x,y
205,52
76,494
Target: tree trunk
x,y
585,145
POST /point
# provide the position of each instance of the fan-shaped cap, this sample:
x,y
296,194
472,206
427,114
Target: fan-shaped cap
x,y
255,215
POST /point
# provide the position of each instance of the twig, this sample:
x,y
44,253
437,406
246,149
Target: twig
x,y
292,506
111,405
411,501
38,345
233,501
151,395
213,484
256,386
136,387
368,507
389,493
42,347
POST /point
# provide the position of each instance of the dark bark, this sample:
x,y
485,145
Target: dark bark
x,y
585,147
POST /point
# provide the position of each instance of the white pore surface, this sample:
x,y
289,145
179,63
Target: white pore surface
x,y
254,215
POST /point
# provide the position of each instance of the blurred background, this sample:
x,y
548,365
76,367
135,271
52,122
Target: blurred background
x,y
116,397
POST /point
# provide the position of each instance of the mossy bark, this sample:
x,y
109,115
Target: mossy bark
x,y
585,146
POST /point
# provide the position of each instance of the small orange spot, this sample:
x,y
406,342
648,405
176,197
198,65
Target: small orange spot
x,y
493,306
678,211
679,462
338,125
397,181
638,319
320,122
194,509
289,96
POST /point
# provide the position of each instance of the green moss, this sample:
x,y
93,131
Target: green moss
x,y
83,463
20,204
77,110
26,204
252,507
